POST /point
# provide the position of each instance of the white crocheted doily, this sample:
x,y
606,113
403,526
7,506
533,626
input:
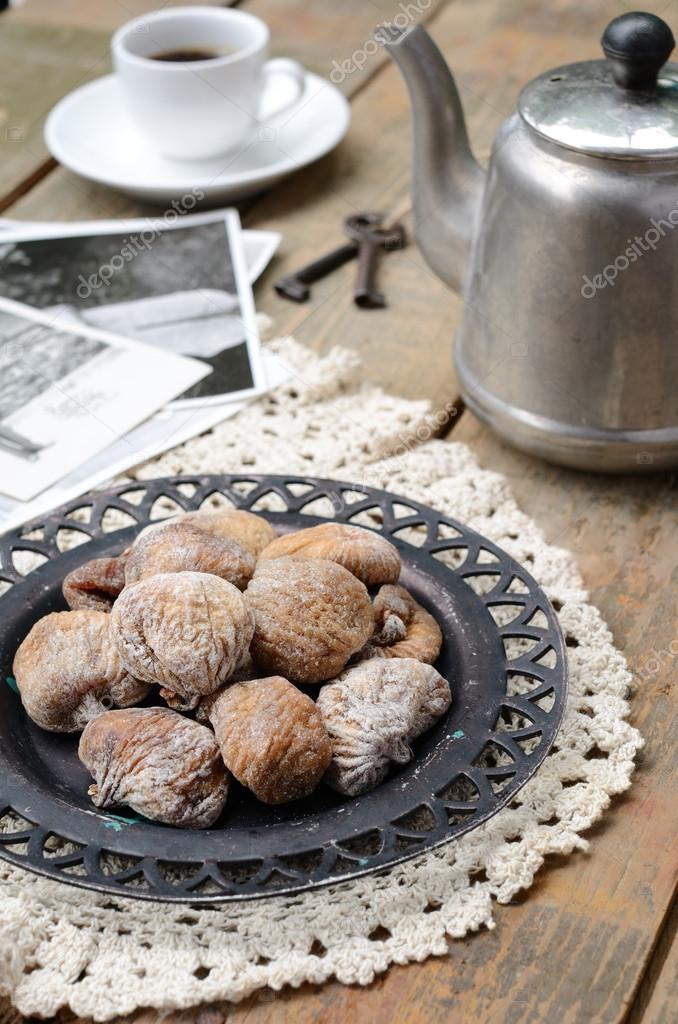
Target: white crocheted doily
x,y
104,957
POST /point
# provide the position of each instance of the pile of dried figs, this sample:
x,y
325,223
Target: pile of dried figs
x,y
234,627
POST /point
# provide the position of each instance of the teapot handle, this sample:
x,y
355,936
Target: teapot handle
x,y
637,45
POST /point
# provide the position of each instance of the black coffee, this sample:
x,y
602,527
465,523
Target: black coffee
x,y
184,56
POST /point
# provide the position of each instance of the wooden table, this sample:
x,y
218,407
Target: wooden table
x,y
591,942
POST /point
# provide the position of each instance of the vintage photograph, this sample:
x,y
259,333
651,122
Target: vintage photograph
x,y
170,426
67,393
177,284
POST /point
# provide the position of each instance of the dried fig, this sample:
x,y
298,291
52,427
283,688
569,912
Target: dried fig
x,y
252,532
180,547
403,629
188,631
272,738
95,584
310,616
364,553
372,712
68,670
164,766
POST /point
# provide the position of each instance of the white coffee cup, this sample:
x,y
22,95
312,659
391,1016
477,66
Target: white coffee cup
x,y
199,109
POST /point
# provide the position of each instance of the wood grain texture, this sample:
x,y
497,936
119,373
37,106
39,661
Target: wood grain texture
x,y
657,998
39,65
106,16
583,947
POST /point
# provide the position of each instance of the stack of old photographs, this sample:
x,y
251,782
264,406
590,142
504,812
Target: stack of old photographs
x,y
118,341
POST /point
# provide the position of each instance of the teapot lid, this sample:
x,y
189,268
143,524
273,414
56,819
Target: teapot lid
x,y
625,106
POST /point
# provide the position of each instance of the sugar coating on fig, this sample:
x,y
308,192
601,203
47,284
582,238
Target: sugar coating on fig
x,y
372,713
95,584
180,547
68,671
403,629
187,631
163,765
370,557
272,738
310,616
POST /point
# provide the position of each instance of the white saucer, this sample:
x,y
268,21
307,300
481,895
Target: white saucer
x,y
90,132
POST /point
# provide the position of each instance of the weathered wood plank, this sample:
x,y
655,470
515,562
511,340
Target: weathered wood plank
x,y
40,65
664,999
87,13
657,1001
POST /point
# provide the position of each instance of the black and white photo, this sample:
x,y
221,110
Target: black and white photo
x,y
68,391
176,283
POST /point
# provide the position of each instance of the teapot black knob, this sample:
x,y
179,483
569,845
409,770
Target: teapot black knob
x,y
637,45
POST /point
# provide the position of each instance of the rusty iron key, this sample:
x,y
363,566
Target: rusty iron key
x,y
366,230
296,286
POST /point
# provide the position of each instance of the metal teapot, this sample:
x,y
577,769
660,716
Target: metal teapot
x,y
566,247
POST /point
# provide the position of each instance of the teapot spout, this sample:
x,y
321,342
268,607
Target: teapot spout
x,y
447,182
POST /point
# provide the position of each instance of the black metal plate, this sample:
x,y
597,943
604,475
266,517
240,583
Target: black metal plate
x,y
504,717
